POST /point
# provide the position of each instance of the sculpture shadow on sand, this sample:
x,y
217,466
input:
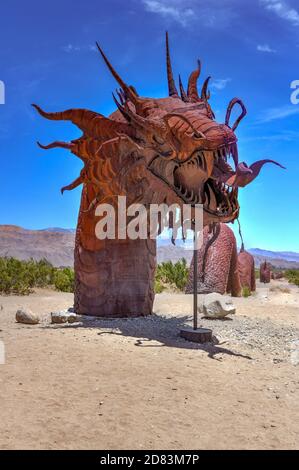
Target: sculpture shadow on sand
x,y
154,331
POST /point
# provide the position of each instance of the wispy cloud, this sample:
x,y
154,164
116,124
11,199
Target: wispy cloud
x,y
288,136
220,83
213,14
273,114
265,48
283,10
69,48
178,11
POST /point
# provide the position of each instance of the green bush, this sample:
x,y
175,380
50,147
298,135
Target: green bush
x,y
159,287
292,276
246,292
170,274
20,277
64,280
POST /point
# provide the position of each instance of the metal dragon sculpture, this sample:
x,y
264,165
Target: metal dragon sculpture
x,y
217,263
169,150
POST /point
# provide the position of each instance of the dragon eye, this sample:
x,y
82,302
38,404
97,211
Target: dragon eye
x,y
198,135
158,140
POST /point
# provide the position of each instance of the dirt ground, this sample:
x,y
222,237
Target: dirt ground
x,y
135,384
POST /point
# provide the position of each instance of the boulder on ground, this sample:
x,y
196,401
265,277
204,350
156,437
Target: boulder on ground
x,y
63,317
215,305
27,317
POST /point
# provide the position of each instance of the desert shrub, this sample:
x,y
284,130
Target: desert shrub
x,y
246,292
171,274
44,273
64,280
20,277
292,276
158,286
16,276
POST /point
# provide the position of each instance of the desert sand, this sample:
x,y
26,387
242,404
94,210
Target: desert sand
x,y
135,384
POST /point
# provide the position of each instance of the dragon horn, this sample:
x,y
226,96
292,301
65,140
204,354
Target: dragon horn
x,y
130,94
56,144
183,93
171,84
92,124
204,92
192,83
79,117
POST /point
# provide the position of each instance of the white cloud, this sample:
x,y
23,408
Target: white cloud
x,y
283,10
212,14
265,48
277,113
220,83
72,48
178,11
289,136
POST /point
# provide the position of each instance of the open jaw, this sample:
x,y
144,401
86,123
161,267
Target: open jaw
x,y
189,181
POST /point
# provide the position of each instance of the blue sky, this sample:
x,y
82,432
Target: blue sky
x,y
47,56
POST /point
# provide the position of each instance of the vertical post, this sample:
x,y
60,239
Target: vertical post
x,y
195,259
197,335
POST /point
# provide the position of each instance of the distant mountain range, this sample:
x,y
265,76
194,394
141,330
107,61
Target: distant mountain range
x,y
57,245
58,229
285,255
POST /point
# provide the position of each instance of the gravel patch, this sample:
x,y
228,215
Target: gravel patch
x,y
240,333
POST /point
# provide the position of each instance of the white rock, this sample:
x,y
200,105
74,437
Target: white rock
x,y
294,347
217,306
63,317
27,317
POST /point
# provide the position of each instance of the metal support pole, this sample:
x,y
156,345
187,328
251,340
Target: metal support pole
x,y
197,335
195,266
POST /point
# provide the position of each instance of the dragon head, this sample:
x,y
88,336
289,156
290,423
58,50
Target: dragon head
x,y
168,150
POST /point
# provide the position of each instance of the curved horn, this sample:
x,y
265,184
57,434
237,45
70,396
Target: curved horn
x,y
182,91
196,133
204,91
125,111
143,123
69,115
79,117
121,96
192,83
73,185
91,123
171,84
229,111
56,144
130,94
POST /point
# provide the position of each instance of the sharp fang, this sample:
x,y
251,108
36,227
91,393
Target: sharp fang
x,y
208,194
213,202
